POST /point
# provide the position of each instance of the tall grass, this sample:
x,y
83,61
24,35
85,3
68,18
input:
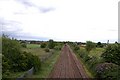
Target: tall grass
x,y
47,66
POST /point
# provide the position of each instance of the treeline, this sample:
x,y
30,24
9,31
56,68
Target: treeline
x,y
14,59
107,65
51,44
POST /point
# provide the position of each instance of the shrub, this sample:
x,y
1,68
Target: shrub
x,y
112,53
43,45
51,44
99,44
24,45
14,60
92,62
89,46
47,50
86,57
57,47
76,48
82,53
107,70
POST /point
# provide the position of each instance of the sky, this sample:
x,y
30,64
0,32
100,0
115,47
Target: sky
x,y
60,20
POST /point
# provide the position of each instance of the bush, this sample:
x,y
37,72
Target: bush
x,y
82,53
24,45
90,45
43,45
57,47
112,53
93,61
99,44
107,70
47,50
51,44
76,48
14,60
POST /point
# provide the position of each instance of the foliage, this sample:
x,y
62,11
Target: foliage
x,y
43,45
47,66
14,60
90,45
112,53
47,50
99,44
107,70
57,47
77,48
51,44
24,45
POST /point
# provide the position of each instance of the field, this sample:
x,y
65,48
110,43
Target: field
x,y
35,50
33,46
48,64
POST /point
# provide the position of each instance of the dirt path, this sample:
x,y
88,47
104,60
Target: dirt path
x,y
68,66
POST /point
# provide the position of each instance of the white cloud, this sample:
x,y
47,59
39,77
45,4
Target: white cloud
x,y
72,20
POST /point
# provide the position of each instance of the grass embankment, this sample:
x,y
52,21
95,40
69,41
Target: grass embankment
x,y
82,62
85,66
84,57
47,66
96,52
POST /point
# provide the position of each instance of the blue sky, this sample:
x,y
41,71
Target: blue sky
x,y
61,20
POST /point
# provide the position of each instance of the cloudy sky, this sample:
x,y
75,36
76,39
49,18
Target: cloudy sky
x,y
61,20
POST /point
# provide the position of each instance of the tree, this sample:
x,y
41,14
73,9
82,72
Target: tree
x,y
112,53
51,44
90,45
99,44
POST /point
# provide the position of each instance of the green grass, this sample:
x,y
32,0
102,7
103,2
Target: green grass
x,y
15,75
84,65
36,50
96,52
47,66
33,46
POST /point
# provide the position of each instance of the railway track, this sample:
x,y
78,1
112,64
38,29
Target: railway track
x,y
68,66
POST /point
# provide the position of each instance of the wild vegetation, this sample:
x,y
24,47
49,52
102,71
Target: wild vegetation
x,y
15,60
102,60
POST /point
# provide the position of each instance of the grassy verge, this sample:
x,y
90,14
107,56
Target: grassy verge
x,y
96,52
16,74
85,66
47,66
